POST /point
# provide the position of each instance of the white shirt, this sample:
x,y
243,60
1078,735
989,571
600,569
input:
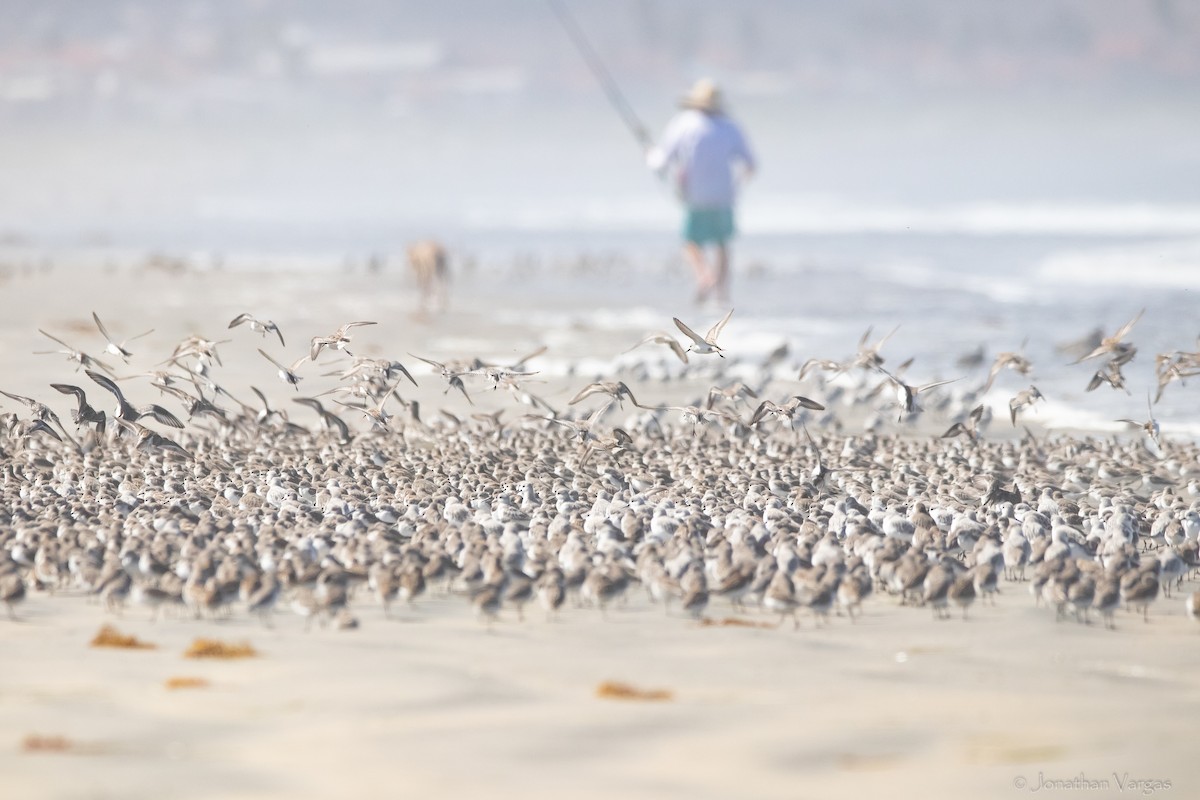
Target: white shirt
x,y
703,149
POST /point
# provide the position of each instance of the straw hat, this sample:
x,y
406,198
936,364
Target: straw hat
x,y
703,96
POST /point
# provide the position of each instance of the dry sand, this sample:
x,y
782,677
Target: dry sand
x,y
431,704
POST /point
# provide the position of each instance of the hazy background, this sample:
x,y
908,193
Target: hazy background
x,y
354,126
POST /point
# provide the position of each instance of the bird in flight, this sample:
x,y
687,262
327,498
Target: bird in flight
x,y
1113,344
335,341
906,394
707,344
786,412
114,348
1022,400
127,411
1150,426
663,339
81,358
286,374
259,326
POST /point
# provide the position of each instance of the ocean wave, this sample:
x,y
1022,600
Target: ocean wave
x,y
786,214
766,215
1157,264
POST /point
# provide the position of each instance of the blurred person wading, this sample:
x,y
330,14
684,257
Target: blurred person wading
x,y
708,156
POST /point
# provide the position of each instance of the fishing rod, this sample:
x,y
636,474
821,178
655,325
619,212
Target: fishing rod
x,y
601,74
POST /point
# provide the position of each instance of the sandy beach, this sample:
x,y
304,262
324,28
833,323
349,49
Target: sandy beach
x,y
908,507
433,703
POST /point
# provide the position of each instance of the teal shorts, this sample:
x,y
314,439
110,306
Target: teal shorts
x,y
708,225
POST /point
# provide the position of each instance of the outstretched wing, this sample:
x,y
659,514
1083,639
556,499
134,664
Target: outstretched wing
x,y
311,402
55,339
29,401
105,382
715,330
103,330
267,356
435,364
688,332
763,409
590,389
71,389
808,403
160,414
928,386
1124,330
676,347
342,330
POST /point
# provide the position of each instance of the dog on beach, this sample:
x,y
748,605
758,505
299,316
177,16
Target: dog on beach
x,y
430,268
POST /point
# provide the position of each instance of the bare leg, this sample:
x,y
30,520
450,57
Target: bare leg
x,y
694,254
721,279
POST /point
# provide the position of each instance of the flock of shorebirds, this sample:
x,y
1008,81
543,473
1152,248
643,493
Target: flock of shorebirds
x,y
200,504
